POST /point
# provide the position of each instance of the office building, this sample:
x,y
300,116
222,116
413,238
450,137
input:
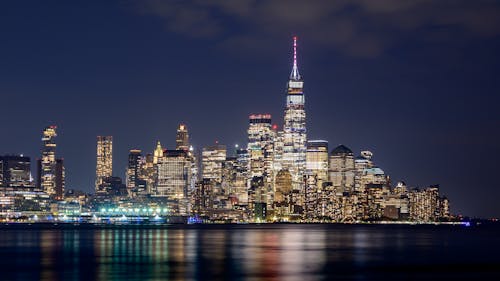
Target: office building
x,y
104,166
15,171
317,159
212,158
260,146
341,168
50,176
174,179
182,138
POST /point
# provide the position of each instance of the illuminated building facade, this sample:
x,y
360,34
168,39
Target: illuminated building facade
x,y
257,193
427,205
174,178
317,159
112,186
279,176
362,162
15,171
341,168
261,152
212,158
148,173
104,166
260,145
182,138
182,143
278,152
311,196
158,152
49,171
283,193
234,182
294,129
133,174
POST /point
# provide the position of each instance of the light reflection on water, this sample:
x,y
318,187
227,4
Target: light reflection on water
x,y
276,252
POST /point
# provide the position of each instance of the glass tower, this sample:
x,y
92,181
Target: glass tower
x,y
294,129
48,162
104,167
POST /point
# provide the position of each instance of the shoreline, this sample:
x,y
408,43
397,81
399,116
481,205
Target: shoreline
x,y
84,225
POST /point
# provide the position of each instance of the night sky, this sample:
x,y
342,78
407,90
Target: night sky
x,y
415,82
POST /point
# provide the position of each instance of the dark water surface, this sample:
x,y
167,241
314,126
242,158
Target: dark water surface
x,y
250,252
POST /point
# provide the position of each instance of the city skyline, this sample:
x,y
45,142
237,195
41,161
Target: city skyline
x,y
419,161
279,176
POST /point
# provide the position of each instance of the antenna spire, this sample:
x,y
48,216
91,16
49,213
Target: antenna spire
x,y
295,70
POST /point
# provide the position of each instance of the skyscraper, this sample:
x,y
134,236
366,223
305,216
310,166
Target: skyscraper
x,y
182,138
174,178
149,173
317,159
341,171
104,167
133,168
60,179
260,146
282,197
212,158
294,129
47,164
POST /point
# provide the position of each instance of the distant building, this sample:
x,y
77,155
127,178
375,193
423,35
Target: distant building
x,y
158,153
174,179
212,158
182,138
112,186
361,163
317,159
50,176
261,152
260,211
425,204
60,179
260,145
133,168
256,193
234,181
149,173
182,143
311,196
15,171
283,193
104,167
341,170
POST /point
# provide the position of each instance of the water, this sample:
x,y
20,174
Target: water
x,y
249,252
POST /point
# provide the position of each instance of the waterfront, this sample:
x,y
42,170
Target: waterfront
x,y
248,252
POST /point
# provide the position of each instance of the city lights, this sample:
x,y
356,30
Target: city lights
x,y
278,176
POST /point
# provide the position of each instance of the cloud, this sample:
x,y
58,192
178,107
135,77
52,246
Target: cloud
x,y
362,28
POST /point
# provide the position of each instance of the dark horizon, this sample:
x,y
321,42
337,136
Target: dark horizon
x,y
415,83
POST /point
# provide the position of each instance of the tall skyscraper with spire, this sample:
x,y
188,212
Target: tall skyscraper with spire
x,y
294,128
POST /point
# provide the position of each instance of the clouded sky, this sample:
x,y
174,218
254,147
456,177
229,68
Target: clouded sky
x,y
416,82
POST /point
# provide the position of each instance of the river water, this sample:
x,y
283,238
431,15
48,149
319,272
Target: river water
x,y
249,252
